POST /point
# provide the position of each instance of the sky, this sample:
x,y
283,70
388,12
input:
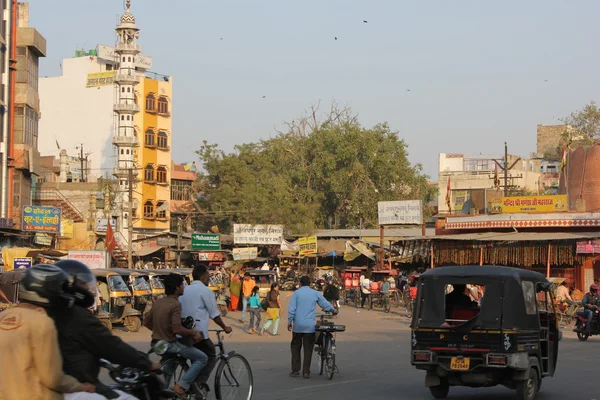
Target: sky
x,y
460,76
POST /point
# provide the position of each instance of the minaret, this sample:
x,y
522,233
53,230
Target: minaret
x,y
125,108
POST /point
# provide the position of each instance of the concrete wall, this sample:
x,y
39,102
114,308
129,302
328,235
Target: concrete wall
x,y
74,114
548,137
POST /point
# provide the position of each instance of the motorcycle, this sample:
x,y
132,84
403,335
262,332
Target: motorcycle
x,y
223,301
581,325
143,385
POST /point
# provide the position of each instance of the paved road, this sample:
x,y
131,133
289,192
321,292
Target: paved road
x,y
373,358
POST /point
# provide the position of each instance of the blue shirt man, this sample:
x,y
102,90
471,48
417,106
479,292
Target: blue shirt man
x,y
301,321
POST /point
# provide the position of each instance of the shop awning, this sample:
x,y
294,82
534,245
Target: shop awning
x,y
146,251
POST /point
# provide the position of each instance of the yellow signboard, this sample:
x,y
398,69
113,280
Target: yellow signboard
x,y
66,228
100,79
307,245
526,204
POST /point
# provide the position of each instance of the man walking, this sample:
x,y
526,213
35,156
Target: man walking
x,y
301,321
247,285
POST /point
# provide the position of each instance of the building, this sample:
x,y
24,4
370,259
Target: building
x,y
472,179
183,197
31,45
549,139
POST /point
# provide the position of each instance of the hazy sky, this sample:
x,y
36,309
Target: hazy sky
x,y
476,69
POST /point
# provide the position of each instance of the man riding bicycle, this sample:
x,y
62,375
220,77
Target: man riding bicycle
x,y
164,320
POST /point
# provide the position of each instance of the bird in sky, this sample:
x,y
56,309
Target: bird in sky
x,y
365,21
335,38
264,97
408,90
545,80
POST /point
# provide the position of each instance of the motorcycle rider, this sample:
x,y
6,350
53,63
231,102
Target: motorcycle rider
x,y
331,292
84,340
590,304
28,343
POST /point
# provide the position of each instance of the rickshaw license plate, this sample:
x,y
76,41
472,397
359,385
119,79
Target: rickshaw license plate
x,y
460,364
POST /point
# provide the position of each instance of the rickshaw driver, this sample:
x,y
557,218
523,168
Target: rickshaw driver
x,y
590,304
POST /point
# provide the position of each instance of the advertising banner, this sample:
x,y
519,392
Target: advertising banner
x,y
588,247
525,204
257,234
41,219
67,228
206,241
307,245
22,262
407,212
92,258
98,79
245,253
102,223
42,239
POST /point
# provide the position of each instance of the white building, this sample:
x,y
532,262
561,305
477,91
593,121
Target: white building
x,y
78,108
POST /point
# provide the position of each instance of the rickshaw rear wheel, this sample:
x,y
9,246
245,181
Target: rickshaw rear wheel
x,y
527,390
106,322
440,391
132,323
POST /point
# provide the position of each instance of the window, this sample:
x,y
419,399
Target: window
x,y
180,190
150,103
162,141
148,210
163,106
122,117
27,67
529,295
109,67
161,210
161,174
150,138
26,126
149,173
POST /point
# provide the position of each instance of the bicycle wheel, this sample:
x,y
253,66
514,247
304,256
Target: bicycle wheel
x,y
173,371
329,355
321,353
233,379
396,299
409,309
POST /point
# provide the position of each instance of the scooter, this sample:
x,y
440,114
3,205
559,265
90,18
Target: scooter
x,y
223,301
581,328
143,385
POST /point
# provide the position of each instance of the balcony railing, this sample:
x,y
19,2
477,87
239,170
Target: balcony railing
x,y
126,140
127,79
132,108
128,47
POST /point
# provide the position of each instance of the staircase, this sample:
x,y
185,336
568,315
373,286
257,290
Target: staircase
x,y
54,198
119,254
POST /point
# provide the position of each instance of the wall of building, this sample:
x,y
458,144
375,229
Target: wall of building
x,y
548,138
74,114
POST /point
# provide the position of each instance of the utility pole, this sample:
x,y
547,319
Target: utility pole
x,y
505,168
81,160
130,220
179,232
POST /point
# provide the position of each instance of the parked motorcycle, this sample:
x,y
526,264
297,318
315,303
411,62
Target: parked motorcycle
x,y
223,300
143,385
581,325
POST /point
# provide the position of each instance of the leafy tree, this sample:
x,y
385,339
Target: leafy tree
x,y
314,174
583,125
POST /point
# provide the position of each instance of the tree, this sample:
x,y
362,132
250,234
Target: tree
x,y
314,174
583,126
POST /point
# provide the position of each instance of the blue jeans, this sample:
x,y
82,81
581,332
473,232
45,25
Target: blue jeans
x,y
588,314
198,359
244,307
254,314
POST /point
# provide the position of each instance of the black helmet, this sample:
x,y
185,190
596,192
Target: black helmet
x,y
46,286
82,282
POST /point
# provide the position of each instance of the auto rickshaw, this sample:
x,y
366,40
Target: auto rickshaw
x,y
139,286
156,283
9,288
215,282
511,339
119,302
263,280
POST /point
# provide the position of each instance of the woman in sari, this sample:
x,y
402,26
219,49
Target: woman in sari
x,y
235,288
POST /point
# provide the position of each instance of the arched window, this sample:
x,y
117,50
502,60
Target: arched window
x,y
127,151
149,173
128,90
122,117
150,103
149,210
121,151
161,174
129,59
161,141
163,105
161,212
123,89
150,138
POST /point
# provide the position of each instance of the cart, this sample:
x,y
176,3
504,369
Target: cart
x,y
350,280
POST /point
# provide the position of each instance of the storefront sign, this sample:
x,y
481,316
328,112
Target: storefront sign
x,y
92,258
206,241
41,219
6,223
460,198
257,234
67,228
307,245
210,256
98,79
22,262
524,204
102,223
43,239
408,212
167,241
245,253
588,247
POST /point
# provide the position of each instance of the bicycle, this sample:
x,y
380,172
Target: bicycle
x,y
229,378
325,344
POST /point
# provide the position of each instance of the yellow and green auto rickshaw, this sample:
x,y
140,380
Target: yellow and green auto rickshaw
x,y
140,288
155,277
116,299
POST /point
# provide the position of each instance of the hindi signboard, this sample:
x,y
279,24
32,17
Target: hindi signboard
x,y
22,262
526,204
102,223
206,241
67,228
307,245
41,219
257,234
245,253
94,259
405,212
42,239
98,79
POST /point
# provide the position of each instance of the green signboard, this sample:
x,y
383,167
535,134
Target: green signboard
x,y
206,241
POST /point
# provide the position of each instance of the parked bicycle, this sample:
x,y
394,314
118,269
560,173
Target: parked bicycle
x,y
325,344
233,379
